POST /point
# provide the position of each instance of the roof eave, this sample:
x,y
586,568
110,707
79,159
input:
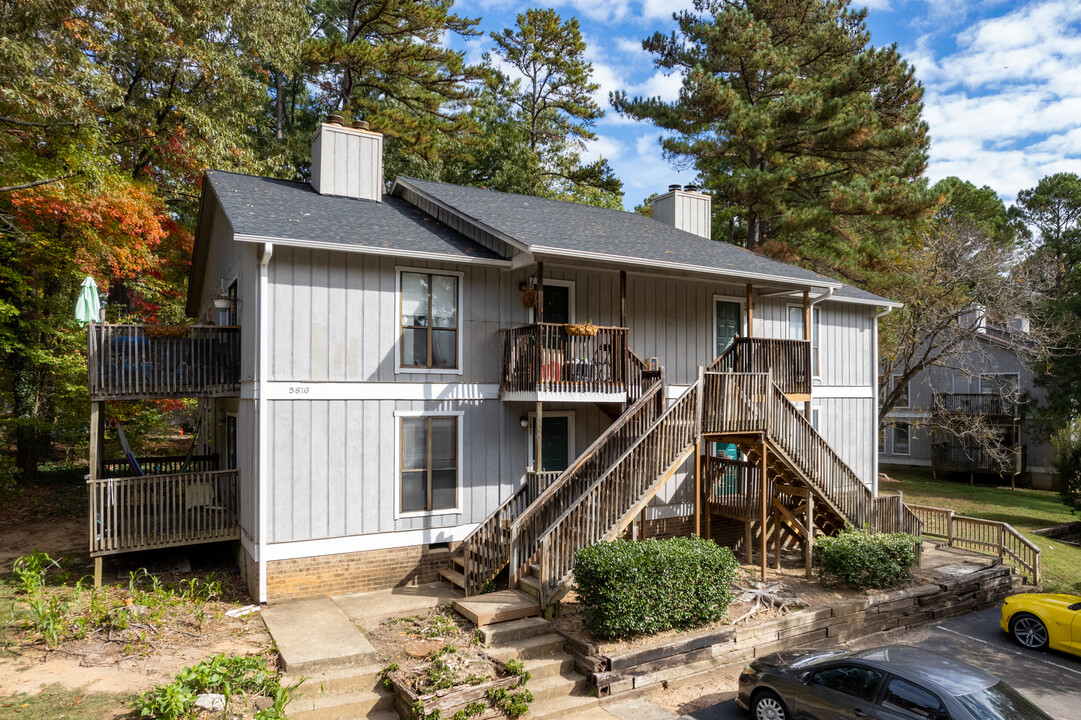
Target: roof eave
x,y
372,250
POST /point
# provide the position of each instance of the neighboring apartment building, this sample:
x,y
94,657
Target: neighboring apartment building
x,y
393,364
989,386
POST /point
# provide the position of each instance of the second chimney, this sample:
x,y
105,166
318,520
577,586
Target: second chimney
x,y
685,210
347,161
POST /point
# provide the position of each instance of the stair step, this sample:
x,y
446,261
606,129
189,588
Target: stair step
x,y
529,648
453,577
530,586
506,632
337,681
548,666
549,688
497,607
573,707
340,706
458,560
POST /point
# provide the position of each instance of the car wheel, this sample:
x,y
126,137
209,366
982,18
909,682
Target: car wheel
x,y
1029,631
767,706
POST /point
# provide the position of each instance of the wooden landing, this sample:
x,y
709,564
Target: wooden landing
x,y
497,607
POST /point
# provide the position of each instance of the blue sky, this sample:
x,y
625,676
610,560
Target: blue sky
x,y
1002,81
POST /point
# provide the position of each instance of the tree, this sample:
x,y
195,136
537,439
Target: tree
x,y
1050,216
964,203
791,116
555,98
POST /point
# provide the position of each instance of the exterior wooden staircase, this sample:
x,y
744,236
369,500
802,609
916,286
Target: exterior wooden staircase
x,y
536,535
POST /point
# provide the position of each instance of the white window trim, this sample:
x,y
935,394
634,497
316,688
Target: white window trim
x,y
953,384
908,393
742,302
816,319
398,369
530,443
225,436
981,376
570,298
893,449
398,414
816,410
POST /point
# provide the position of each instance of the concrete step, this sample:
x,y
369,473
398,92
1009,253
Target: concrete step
x,y
315,635
572,707
507,632
337,681
453,577
548,666
530,648
530,586
347,706
553,687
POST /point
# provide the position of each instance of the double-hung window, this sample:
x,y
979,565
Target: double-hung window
x,y
429,463
429,320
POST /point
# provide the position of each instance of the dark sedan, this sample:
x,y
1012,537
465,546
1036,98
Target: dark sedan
x,y
896,682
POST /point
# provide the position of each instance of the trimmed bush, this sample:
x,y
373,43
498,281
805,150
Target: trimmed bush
x,y
867,560
638,588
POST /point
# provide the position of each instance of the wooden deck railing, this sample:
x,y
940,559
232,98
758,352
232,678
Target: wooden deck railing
x,y
948,456
734,487
161,465
544,357
616,495
892,514
134,362
488,548
985,536
975,404
788,361
156,511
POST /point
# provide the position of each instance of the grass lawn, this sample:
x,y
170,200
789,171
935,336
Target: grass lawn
x,y
1025,510
56,701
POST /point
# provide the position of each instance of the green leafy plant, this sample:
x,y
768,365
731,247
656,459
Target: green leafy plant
x,y
225,674
643,587
863,559
513,704
31,570
517,667
384,675
471,710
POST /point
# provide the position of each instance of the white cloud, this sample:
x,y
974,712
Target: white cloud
x,y
604,146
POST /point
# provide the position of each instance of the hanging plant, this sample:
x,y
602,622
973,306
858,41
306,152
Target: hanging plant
x,y
529,298
586,329
171,331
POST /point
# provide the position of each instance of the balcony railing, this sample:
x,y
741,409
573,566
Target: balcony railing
x,y
156,511
949,456
162,465
975,404
547,357
789,361
128,362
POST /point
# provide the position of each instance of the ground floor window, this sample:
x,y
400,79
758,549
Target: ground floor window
x,y
901,438
429,463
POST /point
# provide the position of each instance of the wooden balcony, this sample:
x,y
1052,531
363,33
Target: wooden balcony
x,y
989,404
958,458
788,362
544,361
156,511
134,362
161,465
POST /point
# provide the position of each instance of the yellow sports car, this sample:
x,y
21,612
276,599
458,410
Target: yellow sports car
x,y
1042,620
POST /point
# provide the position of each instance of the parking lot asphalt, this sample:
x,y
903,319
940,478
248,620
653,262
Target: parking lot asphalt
x,y
1052,680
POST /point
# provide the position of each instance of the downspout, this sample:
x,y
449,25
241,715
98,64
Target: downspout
x,y
261,403
874,374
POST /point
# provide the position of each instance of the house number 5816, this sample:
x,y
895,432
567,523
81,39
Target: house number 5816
x,y
299,390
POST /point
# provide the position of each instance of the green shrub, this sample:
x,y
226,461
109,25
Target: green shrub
x,y
867,560
1067,463
638,588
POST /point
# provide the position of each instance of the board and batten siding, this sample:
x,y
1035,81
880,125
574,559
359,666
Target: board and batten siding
x,y
334,318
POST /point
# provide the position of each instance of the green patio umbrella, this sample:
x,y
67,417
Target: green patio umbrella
x,y
88,306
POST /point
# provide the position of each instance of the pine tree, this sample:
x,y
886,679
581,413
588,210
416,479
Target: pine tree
x,y
790,115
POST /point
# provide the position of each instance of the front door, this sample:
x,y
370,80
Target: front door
x,y
726,316
557,304
555,443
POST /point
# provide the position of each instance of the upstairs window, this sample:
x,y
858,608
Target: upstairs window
x,y
429,320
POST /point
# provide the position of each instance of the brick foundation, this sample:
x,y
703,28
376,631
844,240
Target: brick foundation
x,y
354,572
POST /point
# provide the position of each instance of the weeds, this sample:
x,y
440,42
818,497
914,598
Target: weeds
x,y
225,674
31,570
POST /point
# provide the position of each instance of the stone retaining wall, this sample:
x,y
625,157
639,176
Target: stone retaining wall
x,y
702,651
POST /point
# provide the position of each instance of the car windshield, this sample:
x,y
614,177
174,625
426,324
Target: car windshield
x,y
1001,702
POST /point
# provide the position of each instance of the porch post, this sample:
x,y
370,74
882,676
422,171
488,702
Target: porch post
x,y
750,310
808,548
537,425
698,487
807,338
539,314
623,298
97,456
764,504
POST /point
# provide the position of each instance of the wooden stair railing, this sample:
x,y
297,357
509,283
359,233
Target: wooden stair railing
x,y
789,361
618,495
487,549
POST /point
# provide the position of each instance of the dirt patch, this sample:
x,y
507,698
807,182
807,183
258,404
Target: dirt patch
x,y
55,538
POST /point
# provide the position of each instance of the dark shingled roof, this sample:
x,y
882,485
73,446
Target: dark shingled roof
x,y
270,208
541,223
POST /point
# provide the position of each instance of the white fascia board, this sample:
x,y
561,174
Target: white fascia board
x,y
364,543
368,250
882,303
306,390
512,241
706,269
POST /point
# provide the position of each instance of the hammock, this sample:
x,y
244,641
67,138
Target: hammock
x,y
133,462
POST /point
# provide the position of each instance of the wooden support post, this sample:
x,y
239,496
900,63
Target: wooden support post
x,y
623,298
539,310
642,523
97,571
808,549
538,425
807,338
776,538
97,452
750,310
765,507
698,488
748,539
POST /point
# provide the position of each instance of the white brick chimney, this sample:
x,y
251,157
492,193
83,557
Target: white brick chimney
x,y
687,210
347,161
